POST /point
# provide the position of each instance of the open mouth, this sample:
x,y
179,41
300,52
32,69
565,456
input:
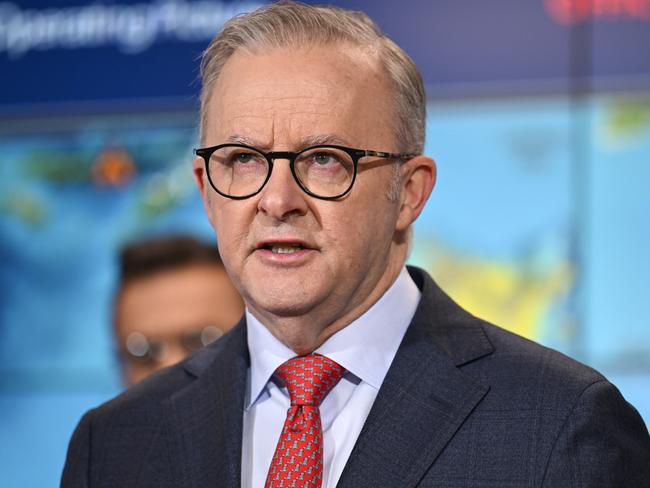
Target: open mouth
x,y
283,248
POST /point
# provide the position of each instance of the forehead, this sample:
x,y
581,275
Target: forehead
x,y
283,95
173,300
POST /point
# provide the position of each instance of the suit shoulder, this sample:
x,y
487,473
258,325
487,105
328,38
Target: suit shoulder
x,y
142,401
521,374
523,370
514,349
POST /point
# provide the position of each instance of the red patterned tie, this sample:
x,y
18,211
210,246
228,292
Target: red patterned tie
x,y
298,458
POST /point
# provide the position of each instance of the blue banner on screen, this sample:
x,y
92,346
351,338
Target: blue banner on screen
x,y
58,53
52,53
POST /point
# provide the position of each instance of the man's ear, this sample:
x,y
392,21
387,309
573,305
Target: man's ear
x,y
418,179
198,168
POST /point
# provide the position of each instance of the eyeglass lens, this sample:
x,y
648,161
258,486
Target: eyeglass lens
x,y
323,171
143,348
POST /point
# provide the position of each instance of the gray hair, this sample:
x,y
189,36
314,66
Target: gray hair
x,y
289,23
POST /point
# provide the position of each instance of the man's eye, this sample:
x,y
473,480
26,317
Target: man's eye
x,y
323,158
242,158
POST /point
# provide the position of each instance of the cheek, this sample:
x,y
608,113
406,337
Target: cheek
x,y
353,235
231,227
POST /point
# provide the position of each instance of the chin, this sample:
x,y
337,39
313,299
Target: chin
x,y
283,308
285,299
285,292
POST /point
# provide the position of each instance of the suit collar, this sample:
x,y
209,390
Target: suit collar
x,y
204,419
453,330
231,347
425,397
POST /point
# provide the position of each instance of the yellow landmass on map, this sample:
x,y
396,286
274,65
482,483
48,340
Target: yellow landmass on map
x,y
508,294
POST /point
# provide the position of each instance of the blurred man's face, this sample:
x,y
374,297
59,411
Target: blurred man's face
x,y
162,317
288,253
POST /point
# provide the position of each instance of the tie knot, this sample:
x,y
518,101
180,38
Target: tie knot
x,y
309,378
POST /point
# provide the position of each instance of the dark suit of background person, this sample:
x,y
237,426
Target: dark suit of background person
x,y
464,404
312,248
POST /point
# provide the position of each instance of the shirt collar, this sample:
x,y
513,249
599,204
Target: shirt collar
x,y
366,347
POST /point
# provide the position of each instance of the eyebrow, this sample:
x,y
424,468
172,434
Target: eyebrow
x,y
239,139
319,139
308,141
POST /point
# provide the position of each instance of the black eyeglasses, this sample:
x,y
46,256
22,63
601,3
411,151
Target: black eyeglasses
x,y
238,171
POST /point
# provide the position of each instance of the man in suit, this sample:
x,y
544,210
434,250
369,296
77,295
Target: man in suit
x,y
347,369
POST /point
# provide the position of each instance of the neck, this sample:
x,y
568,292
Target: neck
x,y
305,333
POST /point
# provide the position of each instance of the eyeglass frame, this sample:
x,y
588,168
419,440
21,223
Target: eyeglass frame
x,y
185,338
291,156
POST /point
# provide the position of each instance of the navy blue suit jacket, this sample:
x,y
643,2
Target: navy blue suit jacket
x,y
464,404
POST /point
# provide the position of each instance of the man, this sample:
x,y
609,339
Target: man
x,y
347,370
174,297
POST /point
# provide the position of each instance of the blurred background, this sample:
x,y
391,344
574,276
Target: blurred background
x,y
538,117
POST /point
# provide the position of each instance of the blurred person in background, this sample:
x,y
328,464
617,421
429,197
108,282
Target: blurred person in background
x,y
174,296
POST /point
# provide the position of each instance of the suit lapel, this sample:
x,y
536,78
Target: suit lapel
x,y
204,419
425,397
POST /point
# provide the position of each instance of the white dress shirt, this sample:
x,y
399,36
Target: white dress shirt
x,y
365,348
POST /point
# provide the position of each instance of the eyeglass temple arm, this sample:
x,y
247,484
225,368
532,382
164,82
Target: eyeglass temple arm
x,y
381,154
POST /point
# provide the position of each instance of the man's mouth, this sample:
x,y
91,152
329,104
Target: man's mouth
x,y
283,248
286,246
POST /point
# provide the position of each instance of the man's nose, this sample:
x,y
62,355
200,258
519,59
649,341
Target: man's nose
x,y
174,354
281,197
